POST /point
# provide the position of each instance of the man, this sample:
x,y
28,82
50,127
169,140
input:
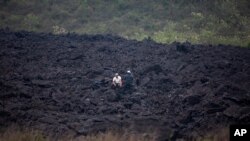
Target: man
x,y
117,80
128,78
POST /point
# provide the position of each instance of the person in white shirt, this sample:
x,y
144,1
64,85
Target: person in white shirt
x,y
117,80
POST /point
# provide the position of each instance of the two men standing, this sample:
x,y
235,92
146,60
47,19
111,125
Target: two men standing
x,y
127,81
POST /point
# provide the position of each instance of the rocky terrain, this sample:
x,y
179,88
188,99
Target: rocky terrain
x,y
62,84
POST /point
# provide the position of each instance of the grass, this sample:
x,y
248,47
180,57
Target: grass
x,y
12,134
202,22
17,134
215,135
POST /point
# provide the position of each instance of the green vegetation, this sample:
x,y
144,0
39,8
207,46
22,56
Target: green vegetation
x,y
165,21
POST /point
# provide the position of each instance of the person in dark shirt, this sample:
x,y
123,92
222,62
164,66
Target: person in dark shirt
x,y
128,81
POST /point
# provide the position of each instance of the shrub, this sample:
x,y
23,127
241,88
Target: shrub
x,y
31,22
59,30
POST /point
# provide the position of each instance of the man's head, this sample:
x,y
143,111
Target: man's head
x,y
116,74
128,71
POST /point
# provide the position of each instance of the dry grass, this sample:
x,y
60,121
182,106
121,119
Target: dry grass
x,y
215,135
25,135
17,134
111,136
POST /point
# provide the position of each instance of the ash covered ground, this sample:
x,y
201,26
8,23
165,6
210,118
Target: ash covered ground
x,y
62,84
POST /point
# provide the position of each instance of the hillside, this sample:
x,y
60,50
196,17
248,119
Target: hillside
x,y
165,21
61,84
